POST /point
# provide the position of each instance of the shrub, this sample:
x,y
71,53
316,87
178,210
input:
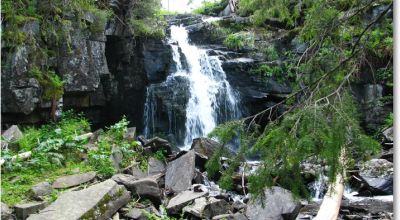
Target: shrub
x,y
50,81
211,8
240,40
52,144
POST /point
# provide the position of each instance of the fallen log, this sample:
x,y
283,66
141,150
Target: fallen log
x,y
22,156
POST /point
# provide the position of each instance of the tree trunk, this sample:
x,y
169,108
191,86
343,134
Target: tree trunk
x,y
329,209
54,104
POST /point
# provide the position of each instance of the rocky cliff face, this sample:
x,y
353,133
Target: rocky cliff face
x,y
105,72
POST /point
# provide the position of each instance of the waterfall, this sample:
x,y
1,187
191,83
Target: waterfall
x,y
210,101
319,187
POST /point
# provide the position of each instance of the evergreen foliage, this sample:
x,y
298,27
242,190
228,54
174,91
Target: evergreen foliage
x,y
320,117
147,20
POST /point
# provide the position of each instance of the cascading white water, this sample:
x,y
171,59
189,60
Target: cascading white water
x,y
211,100
318,188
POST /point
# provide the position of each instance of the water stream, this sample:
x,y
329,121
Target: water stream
x,y
211,99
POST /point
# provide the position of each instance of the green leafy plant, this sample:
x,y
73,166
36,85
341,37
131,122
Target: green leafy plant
x,y
240,40
211,8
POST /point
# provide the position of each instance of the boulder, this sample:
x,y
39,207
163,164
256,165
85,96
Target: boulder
x,y
6,213
216,207
143,188
22,211
136,214
238,205
99,201
378,175
278,204
130,134
146,188
388,134
41,189
12,134
73,180
197,208
180,172
124,179
176,204
157,144
156,166
204,146
236,216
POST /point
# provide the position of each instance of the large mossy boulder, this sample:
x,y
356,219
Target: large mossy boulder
x,y
99,201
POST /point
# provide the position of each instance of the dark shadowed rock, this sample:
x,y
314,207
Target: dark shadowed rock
x,y
99,201
278,204
73,180
378,174
204,146
388,134
216,207
180,172
157,144
176,204
22,211
41,189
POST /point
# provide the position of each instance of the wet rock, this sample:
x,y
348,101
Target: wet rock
x,y
378,174
279,204
22,211
130,134
183,198
73,180
204,146
238,205
157,60
180,172
41,189
6,213
99,201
